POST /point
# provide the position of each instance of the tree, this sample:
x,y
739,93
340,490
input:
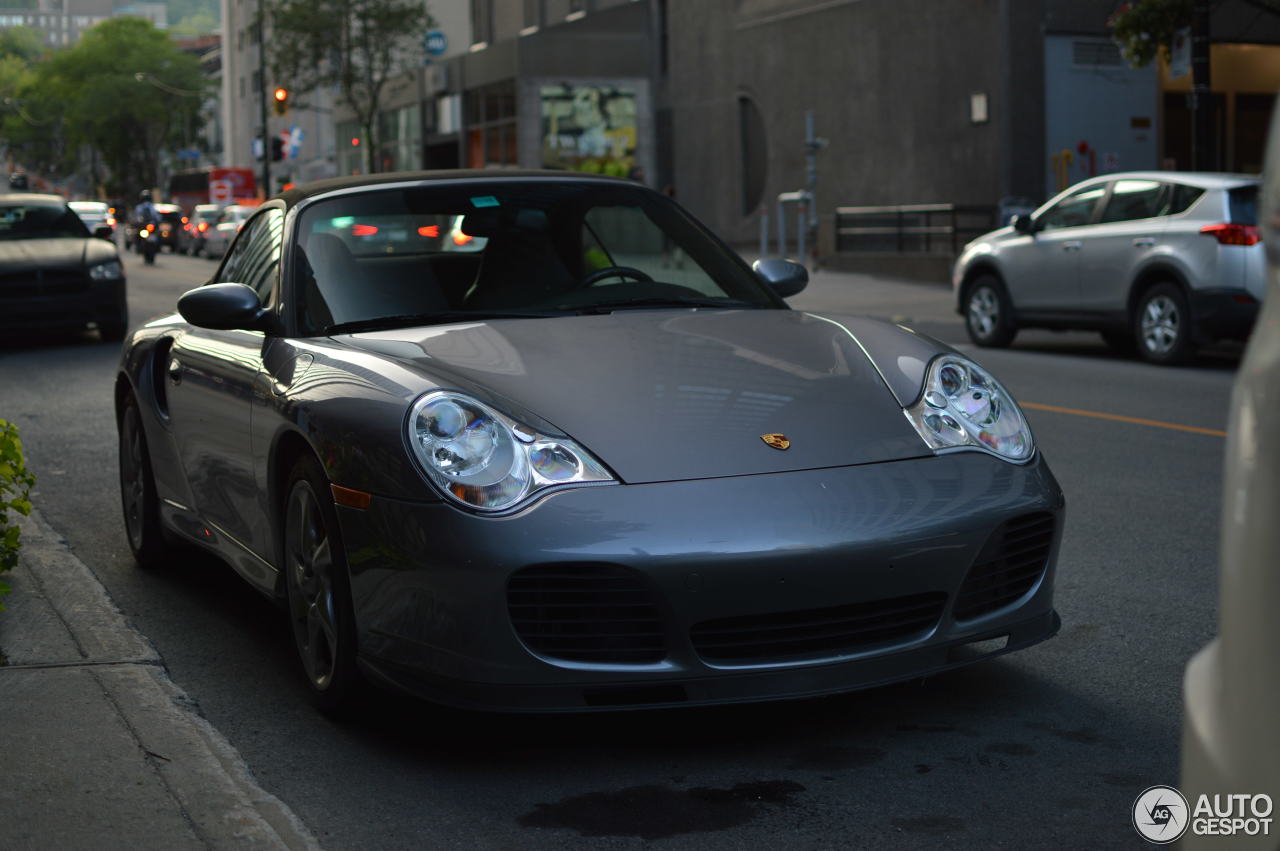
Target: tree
x,y
124,92
355,46
1145,28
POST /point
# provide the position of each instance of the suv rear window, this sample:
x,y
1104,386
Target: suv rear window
x,y
1243,201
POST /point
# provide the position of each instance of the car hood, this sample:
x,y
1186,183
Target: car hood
x,y
666,395
19,255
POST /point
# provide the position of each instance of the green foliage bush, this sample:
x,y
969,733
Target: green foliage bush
x,y
15,489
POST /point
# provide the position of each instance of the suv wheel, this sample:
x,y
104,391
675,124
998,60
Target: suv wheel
x,y
1162,325
988,315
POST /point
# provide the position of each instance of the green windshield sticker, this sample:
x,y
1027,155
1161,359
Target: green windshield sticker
x,y
484,201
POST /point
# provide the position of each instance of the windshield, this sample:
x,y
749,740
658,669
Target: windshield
x,y
39,221
532,245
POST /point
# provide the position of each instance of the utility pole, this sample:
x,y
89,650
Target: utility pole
x,y
1202,153
812,145
262,100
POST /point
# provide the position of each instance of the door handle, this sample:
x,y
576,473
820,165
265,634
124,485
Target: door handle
x,y
1073,245
1144,242
175,370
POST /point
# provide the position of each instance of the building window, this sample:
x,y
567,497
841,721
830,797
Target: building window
x,y
490,114
400,139
532,13
481,21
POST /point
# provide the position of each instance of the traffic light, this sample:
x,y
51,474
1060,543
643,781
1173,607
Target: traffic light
x,y
281,97
277,149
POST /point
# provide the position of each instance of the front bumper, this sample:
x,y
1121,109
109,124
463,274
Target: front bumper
x,y
431,583
68,305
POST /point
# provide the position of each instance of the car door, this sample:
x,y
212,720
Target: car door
x,y
1129,230
211,383
1042,268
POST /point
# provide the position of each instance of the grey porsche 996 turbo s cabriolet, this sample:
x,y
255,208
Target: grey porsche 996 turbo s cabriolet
x,y
593,461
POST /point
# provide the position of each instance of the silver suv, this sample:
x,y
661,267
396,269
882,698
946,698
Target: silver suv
x,y
1164,260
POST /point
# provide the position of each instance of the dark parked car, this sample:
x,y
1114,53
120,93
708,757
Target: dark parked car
x,y
54,273
565,472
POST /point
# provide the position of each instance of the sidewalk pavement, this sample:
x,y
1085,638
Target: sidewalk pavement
x,y
927,306
98,748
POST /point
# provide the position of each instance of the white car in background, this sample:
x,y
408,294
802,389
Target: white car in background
x,y
204,218
1164,260
94,214
220,235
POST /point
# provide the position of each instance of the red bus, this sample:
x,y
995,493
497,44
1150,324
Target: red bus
x,y
211,186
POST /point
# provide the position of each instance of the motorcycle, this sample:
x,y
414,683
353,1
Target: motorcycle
x,y
148,244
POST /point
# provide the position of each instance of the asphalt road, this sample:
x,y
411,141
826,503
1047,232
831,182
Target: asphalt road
x,y
1047,747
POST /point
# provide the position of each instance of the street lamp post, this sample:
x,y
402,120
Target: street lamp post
x,y
262,100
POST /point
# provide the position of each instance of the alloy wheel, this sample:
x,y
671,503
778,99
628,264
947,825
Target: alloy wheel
x,y
1161,325
133,483
310,568
984,311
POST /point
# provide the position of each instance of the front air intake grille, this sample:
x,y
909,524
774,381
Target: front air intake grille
x,y
587,613
1010,564
787,636
36,283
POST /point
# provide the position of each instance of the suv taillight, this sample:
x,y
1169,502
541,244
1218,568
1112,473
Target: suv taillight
x,y
1229,234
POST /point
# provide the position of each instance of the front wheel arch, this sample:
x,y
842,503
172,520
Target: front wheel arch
x,y
289,448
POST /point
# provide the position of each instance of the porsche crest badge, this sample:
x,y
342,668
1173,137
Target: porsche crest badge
x,y
777,441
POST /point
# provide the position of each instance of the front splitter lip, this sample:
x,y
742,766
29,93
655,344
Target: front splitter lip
x,y
794,683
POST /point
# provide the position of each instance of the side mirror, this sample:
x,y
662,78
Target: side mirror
x,y
104,232
1024,224
784,277
225,307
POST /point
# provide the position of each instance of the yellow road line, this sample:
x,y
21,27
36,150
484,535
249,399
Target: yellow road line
x,y
1036,406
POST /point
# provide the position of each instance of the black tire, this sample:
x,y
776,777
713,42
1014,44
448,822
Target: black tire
x,y
988,313
1120,342
319,590
1162,326
138,496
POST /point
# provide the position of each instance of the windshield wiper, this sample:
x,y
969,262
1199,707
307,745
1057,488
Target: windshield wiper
x,y
406,320
665,301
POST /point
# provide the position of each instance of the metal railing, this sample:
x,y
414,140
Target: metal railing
x,y
912,228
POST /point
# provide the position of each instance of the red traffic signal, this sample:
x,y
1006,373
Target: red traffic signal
x,y
281,97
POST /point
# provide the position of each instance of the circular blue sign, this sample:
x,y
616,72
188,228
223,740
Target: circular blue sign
x,y
435,43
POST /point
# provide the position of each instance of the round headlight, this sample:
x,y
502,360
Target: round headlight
x,y
963,406
484,459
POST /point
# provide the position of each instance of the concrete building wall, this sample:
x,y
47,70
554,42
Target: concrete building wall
x,y
889,82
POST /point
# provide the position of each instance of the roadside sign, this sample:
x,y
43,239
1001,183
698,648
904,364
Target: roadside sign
x,y
220,191
435,43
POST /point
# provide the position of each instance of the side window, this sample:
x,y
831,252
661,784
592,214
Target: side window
x,y
1182,197
1136,199
1074,210
254,258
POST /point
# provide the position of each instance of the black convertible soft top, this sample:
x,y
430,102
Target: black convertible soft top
x,y
294,196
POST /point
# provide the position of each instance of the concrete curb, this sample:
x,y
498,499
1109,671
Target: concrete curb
x,y
147,771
